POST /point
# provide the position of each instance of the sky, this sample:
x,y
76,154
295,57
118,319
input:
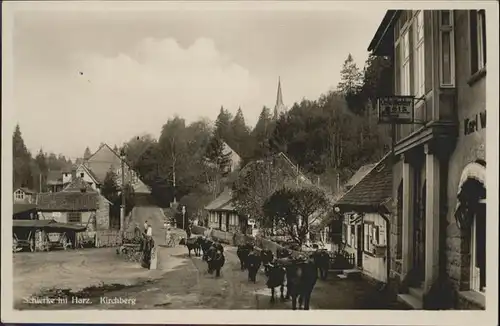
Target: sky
x,y
140,68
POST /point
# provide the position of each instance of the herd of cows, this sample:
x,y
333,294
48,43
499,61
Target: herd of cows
x,y
297,273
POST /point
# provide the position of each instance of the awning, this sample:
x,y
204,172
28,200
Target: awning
x,y
48,225
471,191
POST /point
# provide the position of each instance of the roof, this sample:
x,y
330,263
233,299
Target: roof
x,y
22,207
90,173
77,185
360,174
221,202
102,161
54,177
382,42
373,191
46,224
68,201
26,190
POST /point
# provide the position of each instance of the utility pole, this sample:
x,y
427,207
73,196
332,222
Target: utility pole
x,y
122,208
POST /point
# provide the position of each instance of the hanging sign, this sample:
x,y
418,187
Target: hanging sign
x,y
396,109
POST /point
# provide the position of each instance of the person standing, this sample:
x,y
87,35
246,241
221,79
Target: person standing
x,y
149,229
146,226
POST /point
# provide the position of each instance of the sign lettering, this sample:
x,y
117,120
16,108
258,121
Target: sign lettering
x,y
475,123
396,109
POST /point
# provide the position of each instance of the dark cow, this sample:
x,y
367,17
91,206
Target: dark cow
x,y
192,244
205,246
242,253
301,277
253,264
215,260
266,256
276,277
282,253
322,262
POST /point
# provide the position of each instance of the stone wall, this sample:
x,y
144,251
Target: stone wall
x,y
471,101
102,214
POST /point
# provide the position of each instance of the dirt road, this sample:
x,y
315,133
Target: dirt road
x,y
180,283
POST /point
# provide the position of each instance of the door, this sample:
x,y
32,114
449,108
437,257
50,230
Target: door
x,y
219,217
419,234
228,215
359,245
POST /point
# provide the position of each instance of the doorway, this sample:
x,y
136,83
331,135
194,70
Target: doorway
x,y
359,245
227,221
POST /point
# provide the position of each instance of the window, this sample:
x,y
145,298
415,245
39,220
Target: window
x,y
477,40
369,238
446,48
19,195
405,64
419,54
81,175
344,233
74,217
478,251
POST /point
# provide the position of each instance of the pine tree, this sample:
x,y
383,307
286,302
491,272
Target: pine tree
x,y
87,153
43,168
223,125
22,161
240,134
262,133
350,85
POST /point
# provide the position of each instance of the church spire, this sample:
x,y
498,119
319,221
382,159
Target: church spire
x,y
279,107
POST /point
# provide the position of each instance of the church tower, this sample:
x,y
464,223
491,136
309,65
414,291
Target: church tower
x,y
279,107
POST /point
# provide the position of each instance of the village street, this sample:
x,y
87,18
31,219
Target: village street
x,y
179,283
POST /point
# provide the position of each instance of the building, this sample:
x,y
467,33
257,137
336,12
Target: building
x,y
234,158
77,204
24,211
96,167
279,107
222,215
24,195
439,252
366,209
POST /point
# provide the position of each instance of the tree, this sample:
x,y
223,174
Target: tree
x,y
218,163
43,168
223,125
87,153
262,133
295,209
240,135
22,174
136,146
351,81
256,182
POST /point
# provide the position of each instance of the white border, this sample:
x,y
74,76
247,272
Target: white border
x,y
318,317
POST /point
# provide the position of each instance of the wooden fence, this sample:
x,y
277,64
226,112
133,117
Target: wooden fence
x,y
111,238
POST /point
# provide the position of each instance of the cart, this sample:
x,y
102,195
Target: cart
x,y
42,235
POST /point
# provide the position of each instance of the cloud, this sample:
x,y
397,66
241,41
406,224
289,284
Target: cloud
x,y
130,93
192,81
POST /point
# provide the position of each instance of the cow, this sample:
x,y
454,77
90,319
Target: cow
x,y
253,263
242,253
205,246
192,244
276,277
215,260
301,277
266,256
322,262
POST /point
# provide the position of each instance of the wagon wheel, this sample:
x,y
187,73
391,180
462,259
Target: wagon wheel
x,y
64,242
32,245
